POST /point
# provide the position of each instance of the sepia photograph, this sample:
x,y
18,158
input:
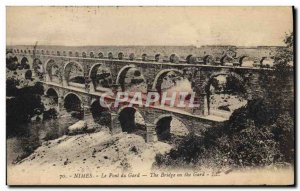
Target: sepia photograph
x,y
138,96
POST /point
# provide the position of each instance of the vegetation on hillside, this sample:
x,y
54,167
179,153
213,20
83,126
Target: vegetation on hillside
x,y
258,134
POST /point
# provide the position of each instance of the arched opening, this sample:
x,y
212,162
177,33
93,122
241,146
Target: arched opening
x,y
120,55
110,55
24,64
246,61
101,76
208,60
266,62
100,55
144,57
52,98
170,129
73,105
227,60
92,55
225,92
171,81
174,58
157,57
38,67
167,79
163,128
132,121
101,115
74,74
190,59
11,62
53,71
131,79
28,75
131,56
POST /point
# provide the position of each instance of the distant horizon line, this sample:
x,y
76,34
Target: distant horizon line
x,y
152,45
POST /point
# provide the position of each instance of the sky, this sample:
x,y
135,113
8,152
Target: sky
x,y
83,26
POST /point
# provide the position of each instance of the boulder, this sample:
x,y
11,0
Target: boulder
x,y
78,128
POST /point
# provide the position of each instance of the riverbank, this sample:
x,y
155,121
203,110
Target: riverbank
x,y
90,154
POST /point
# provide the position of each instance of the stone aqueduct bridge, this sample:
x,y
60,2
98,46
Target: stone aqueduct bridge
x,y
252,78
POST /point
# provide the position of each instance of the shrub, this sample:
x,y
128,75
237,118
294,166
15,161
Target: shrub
x,y
245,140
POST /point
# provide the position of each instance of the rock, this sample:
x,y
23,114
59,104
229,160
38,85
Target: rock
x,y
77,128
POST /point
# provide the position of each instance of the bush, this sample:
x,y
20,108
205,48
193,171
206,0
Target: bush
x,y
251,146
25,104
50,114
11,86
283,130
245,140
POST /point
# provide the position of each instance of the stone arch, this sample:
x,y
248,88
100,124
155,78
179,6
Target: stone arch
x,y
100,55
110,55
38,67
74,93
132,73
11,61
266,62
174,58
104,78
92,55
207,60
239,85
106,102
123,72
215,74
131,56
164,129
120,55
246,61
161,75
157,57
129,122
73,104
70,53
144,57
101,115
190,59
53,71
79,78
53,94
58,53
226,60
24,63
83,54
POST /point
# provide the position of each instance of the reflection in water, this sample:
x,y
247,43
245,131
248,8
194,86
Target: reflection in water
x,y
33,134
